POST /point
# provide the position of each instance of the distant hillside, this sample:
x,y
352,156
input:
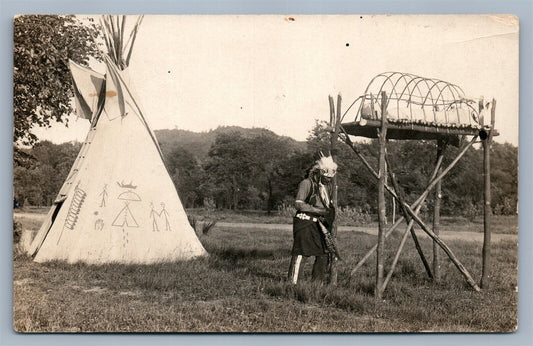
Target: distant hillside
x,y
199,143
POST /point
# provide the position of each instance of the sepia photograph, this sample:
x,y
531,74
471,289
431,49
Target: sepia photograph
x,y
265,173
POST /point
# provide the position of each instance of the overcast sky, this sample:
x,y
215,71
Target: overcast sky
x,y
201,72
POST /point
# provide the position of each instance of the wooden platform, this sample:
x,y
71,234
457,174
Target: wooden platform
x,y
395,130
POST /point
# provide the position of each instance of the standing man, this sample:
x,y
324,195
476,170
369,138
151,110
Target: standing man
x,y
313,208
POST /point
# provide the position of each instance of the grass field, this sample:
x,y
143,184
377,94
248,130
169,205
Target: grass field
x,y
241,287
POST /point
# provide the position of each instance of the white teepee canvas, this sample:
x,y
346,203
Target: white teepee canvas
x,y
118,203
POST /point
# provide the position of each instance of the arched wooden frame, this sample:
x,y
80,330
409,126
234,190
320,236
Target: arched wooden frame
x,y
430,94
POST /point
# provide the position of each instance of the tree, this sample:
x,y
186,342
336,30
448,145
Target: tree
x,y
230,168
504,178
291,171
43,44
243,171
357,187
40,182
187,175
268,152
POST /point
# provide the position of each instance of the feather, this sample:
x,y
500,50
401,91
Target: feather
x,y
326,165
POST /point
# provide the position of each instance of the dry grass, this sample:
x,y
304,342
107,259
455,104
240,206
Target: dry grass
x,y
241,287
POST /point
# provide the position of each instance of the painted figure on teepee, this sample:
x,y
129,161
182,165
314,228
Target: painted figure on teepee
x,y
103,211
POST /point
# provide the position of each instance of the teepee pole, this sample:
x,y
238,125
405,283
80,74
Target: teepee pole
x,y
133,37
115,70
141,115
38,240
121,45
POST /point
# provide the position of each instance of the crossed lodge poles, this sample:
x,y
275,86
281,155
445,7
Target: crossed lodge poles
x,y
410,212
412,215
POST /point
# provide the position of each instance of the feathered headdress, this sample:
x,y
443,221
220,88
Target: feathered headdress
x,y
326,165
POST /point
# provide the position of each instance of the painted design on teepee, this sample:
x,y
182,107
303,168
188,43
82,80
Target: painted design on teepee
x,y
104,196
125,239
125,218
159,216
129,196
153,215
73,210
99,225
126,186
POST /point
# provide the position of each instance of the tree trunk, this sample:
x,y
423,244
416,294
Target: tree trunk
x,y
270,202
235,193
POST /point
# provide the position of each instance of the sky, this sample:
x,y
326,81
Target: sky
x,y
271,71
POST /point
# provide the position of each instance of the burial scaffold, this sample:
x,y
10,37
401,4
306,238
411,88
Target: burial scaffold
x,y
403,106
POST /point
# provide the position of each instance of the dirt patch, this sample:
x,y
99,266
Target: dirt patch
x,y
95,289
130,293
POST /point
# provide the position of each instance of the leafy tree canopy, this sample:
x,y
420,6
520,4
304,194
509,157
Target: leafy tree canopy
x,y
43,44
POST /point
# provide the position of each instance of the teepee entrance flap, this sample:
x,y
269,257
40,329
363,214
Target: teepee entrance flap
x,y
88,88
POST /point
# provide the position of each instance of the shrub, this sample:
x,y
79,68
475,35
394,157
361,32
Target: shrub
x,y
207,226
192,221
17,230
348,216
505,207
471,211
286,209
209,204
351,216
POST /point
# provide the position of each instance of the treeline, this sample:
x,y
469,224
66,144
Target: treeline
x,y
236,168
39,174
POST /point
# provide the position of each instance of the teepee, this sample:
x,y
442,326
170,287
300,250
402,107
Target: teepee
x,y
118,203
